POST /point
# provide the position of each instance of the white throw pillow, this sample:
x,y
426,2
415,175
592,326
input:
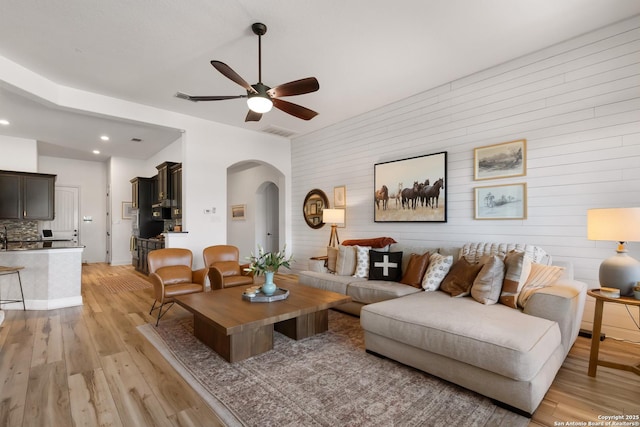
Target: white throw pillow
x,y
346,261
439,266
362,261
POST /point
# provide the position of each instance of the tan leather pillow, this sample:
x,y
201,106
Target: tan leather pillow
x,y
415,270
460,278
332,258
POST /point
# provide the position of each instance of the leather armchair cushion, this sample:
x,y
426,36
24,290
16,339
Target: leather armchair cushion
x,y
175,274
237,281
182,289
228,268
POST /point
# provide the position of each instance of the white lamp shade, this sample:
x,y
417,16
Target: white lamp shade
x,y
333,216
614,224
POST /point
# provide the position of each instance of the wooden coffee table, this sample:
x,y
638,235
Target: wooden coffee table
x,y
237,329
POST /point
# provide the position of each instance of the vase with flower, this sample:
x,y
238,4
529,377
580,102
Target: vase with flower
x,y
268,263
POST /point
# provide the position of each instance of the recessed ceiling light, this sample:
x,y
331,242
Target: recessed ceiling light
x,y
104,138
96,151
4,122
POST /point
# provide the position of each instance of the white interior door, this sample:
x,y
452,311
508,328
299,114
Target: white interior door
x,y
66,223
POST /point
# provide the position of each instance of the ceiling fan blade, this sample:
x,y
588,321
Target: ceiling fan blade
x,y
296,87
182,95
294,109
226,71
252,116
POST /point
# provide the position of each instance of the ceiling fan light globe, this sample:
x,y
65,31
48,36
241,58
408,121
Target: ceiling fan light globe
x,y
259,104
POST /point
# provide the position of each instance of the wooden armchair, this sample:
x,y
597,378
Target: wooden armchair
x,y
225,269
171,274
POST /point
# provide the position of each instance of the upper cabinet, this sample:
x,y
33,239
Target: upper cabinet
x,y
164,195
27,196
176,190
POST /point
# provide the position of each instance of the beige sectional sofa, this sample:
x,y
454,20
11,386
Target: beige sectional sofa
x,y
508,354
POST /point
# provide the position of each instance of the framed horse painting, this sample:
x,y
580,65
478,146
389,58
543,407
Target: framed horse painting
x,y
411,190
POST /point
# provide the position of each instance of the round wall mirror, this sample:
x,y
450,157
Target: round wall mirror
x,y
315,202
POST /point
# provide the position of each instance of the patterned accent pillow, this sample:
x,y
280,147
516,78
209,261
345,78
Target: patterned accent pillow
x,y
385,266
541,276
488,283
362,261
439,266
460,278
346,262
415,270
517,269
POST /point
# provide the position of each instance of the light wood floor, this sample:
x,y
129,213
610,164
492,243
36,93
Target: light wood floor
x,y
89,366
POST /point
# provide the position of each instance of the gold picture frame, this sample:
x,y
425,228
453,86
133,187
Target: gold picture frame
x,y
340,196
127,208
504,160
508,201
238,212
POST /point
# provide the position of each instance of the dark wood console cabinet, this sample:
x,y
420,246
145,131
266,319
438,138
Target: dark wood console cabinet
x,y
27,196
141,252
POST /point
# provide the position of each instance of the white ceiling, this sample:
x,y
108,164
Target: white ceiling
x,y
365,54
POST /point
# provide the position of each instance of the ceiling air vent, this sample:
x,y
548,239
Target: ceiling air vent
x,y
275,130
136,140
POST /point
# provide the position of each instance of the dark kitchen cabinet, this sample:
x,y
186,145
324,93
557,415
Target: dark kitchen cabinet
x,y
164,195
176,191
143,247
142,193
27,196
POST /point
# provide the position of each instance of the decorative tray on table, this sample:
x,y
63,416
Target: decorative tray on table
x,y
258,296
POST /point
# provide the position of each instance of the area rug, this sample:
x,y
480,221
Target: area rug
x,y
324,380
123,283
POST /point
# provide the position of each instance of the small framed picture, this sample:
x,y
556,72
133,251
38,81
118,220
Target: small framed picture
x,y
504,160
126,210
238,212
501,202
340,196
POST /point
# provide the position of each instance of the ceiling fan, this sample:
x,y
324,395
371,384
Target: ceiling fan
x,y
260,97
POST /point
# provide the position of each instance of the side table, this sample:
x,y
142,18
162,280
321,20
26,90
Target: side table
x,y
597,328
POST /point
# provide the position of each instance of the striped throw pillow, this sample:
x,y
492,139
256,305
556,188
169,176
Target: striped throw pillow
x,y
517,269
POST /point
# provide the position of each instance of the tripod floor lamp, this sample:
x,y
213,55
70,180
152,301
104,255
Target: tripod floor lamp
x,y
333,217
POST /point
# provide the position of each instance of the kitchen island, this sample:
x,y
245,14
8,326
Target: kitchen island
x,y
51,277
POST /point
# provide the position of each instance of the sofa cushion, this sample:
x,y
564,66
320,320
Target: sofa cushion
x,y
346,261
488,283
473,251
495,338
362,261
540,276
370,291
326,281
415,270
385,266
439,266
517,268
460,278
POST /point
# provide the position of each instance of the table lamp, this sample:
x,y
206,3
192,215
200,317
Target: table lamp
x,y
621,225
333,217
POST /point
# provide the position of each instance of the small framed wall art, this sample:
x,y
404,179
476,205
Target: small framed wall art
x,y
504,160
238,212
126,210
340,196
501,201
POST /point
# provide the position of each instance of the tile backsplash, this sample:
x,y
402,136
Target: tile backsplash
x,y
20,229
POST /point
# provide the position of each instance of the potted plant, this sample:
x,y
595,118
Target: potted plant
x,y
268,263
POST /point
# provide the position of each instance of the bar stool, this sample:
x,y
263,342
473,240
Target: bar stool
x,y
13,270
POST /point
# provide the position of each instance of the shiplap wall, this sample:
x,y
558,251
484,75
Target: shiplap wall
x,y
576,103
